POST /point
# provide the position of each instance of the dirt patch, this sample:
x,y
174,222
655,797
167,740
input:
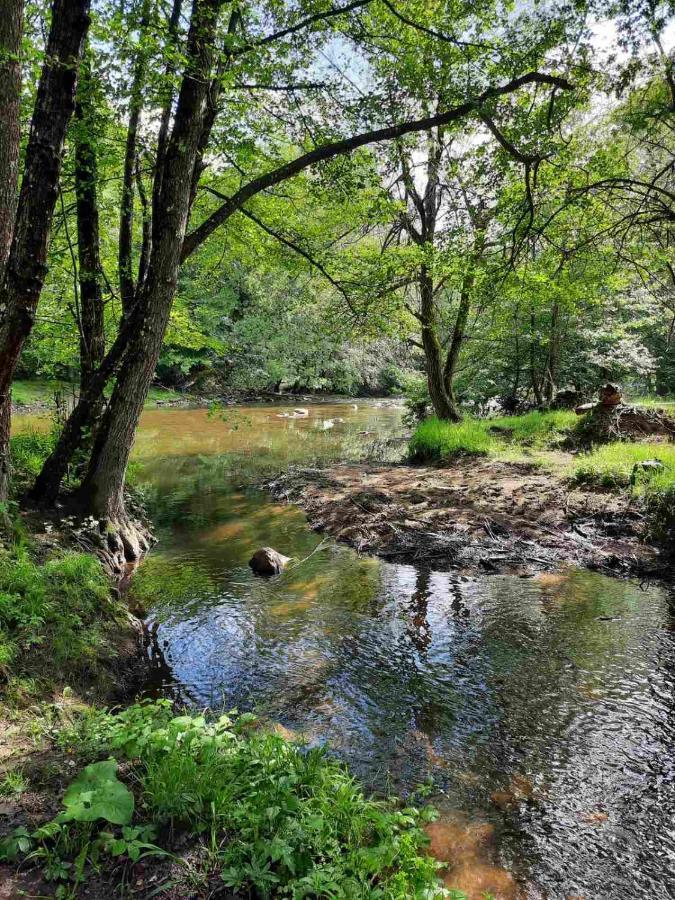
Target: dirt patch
x,y
477,515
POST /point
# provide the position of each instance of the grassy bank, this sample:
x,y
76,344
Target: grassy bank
x,y
193,804
438,441
645,468
42,394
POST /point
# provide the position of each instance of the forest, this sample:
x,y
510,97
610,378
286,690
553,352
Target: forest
x,y
380,296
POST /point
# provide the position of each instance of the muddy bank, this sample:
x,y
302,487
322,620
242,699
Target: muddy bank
x,y
475,516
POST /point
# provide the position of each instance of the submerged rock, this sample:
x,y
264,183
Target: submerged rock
x,y
300,411
267,561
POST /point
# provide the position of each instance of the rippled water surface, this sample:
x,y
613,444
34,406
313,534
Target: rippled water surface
x,y
542,708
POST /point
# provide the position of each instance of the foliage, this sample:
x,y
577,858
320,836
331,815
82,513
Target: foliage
x,y
58,619
97,793
278,819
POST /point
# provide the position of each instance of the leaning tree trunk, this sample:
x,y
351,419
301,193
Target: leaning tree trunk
x,y
433,351
103,487
92,334
26,265
11,27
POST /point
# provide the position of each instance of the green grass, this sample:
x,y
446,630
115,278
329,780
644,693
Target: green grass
x,y
654,403
30,393
29,449
256,813
436,441
611,465
58,619
34,393
536,427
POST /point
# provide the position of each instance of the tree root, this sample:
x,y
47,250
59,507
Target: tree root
x,y
119,544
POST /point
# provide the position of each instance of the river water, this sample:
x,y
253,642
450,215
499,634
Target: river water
x,y
541,711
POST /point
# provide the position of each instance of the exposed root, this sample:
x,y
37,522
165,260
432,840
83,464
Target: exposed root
x,y
118,544
626,423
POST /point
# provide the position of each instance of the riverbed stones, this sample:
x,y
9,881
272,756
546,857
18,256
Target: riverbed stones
x,y
268,561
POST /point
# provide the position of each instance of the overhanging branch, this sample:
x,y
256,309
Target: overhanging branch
x,y
347,145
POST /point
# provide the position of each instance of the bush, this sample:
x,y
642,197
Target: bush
x,y
277,819
436,441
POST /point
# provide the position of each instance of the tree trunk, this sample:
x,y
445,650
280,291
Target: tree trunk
x,y
11,27
433,351
26,266
92,335
553,350
125,246
103,486
82,418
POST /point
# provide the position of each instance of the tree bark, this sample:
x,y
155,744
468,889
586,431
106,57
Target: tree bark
x,y
92,334
433,351
125,245
11,28
551,373
26,265
103,486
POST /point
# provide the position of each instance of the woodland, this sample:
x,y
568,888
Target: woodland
x,y
468,205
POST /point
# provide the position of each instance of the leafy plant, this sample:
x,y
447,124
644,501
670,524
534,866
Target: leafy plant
x,y
96,794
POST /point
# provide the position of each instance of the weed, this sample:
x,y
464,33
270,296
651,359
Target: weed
x,y
13,784
435,440
275,819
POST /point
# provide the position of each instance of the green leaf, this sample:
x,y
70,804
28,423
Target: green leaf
x,y
97,793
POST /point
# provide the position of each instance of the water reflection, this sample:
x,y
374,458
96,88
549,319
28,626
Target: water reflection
x,y
542,708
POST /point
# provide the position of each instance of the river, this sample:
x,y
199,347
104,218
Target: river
x,y
539,712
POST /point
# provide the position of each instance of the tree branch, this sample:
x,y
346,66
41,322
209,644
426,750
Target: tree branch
x,y
304,23
347,145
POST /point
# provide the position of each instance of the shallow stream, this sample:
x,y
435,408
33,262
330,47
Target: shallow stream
x,y
543,709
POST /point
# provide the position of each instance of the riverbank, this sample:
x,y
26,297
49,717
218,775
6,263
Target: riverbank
x,y
30,397
149,801
477,515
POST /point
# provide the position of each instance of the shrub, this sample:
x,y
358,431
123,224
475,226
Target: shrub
x,y
278,819
436,441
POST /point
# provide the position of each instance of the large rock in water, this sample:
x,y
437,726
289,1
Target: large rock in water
x,y
267,561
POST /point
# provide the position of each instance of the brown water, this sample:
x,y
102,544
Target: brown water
x,y
543,709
